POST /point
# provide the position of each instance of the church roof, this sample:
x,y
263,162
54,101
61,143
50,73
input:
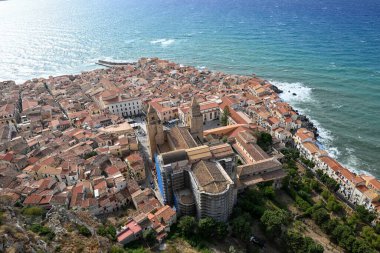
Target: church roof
x,y
181,138
174,156
209,177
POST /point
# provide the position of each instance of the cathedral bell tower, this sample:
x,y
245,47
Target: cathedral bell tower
x,y
195,120
155,131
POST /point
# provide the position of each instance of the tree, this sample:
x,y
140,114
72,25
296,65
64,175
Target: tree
x,y
224,117
109,231
371,237
333,205
187,226
241,226
360,246
149,236
341,232
274,220
330,225
116,249
83,230
33,211
207,227
268,192
364,214
221,230
326,194
296,243
320,216
264,140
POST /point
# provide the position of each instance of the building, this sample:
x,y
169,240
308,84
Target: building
x,y
195,120
190,176
155,130
209,110
120,104
130,232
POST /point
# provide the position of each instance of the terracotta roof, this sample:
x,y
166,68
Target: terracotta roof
x,y
375,183
209,177
311,147
32,199
331,163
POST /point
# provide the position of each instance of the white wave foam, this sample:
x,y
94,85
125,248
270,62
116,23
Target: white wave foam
x,y
163,42
336,106
131,41
302,92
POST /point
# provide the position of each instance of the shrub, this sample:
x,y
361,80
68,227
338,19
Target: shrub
x,y
364,214
320,216
42,230
241,226
264,140
33,211
274,220
207,227
150,236
83,230
109,232
296,243
187,225
116,249
302,204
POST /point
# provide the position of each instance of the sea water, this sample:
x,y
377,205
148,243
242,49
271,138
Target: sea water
x,y
326,52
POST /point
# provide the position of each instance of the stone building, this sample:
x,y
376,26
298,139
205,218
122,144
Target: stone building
x,y
195,178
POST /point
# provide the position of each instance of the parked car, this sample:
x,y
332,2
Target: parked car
x,y
254,240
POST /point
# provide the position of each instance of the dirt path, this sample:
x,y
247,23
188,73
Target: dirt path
x,y
313,231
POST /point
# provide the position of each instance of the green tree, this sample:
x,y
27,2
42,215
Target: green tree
x,y
224,116
364,214
330,225
264,140
43,231
221,230
334,205
187,225
268,192
83,230
326,194
241,226
33,211
116,249
320,216
360,246
109,232
149,236
273,221
296,243
371,237
207,227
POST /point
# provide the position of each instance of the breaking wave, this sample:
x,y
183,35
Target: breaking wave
x,y
163,42
298,95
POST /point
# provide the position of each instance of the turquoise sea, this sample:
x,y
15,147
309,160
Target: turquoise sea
x,y
327,52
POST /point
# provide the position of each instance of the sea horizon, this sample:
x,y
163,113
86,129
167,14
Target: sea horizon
x,y
324,52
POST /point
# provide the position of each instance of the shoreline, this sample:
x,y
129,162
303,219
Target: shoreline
x,y
307,122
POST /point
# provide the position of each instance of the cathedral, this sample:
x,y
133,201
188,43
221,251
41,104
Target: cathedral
x,y
196,179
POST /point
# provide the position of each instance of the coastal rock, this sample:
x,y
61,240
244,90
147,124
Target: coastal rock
x,y
276,89
306,123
